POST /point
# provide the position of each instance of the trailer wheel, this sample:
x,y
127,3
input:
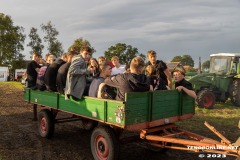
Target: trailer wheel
x,y
236,93
45,123
206,99
104,144
88,124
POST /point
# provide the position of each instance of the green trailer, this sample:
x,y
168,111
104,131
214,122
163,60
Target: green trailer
x,y
151,114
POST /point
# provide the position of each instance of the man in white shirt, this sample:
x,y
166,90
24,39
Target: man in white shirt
x,y
118,69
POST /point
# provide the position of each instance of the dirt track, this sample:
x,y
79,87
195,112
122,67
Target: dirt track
x,y
19,139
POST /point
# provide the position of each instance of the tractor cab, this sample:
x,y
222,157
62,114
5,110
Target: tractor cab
x,y
224,63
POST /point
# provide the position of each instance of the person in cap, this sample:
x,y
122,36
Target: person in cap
x,y
181,84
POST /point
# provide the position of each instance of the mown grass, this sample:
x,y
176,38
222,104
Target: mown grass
x,y
14,84
224,117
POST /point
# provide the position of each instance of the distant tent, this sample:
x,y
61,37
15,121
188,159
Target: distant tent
x,y
4,73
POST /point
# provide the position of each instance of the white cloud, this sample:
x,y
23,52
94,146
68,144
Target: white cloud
x,y
170,27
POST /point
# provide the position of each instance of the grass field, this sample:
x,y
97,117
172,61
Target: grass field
x,y
224,117
17,85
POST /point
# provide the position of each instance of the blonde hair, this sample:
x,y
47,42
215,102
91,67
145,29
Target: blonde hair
x,y
137,64
150,70
179,71
114,57
151,53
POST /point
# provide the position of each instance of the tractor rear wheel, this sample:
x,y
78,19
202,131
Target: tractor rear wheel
x,y
235,98
206,99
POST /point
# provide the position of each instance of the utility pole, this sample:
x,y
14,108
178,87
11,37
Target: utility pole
x,y
200,66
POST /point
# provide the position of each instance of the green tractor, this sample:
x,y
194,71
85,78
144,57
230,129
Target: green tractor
x,y
222,81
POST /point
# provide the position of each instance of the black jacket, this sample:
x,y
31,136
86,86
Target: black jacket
x,y
128,82
160,67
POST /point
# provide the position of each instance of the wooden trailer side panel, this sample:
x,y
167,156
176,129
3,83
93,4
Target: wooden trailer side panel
x,y
44,98
187,104
165,104
140,109
151,109
89,107
137,107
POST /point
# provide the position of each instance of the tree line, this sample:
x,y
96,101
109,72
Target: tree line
x,y
12,40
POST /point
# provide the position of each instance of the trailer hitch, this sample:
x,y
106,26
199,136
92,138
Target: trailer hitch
x,y
184,140
224,140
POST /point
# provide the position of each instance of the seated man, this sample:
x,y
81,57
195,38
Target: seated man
x,y
134,81
32,70
62,72
51,75
101,60
118,69
105,71
181,84
76,77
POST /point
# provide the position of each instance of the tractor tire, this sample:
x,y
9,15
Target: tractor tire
x,y
230,91
46,123
104,143
206,99
236,93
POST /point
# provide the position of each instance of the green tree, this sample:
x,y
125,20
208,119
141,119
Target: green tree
x,y
54,46
79,43
191,69
185,60
11,40
206,65
176,59
35,42
143,56
18,63
124,52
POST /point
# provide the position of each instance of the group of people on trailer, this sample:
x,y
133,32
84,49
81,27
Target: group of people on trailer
x,y
76,75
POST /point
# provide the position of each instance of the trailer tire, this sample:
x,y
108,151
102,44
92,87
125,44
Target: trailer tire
x,y
236,93
104,143
46,123
87,124
206,99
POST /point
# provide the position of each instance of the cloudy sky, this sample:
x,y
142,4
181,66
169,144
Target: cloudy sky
x,y
170,27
